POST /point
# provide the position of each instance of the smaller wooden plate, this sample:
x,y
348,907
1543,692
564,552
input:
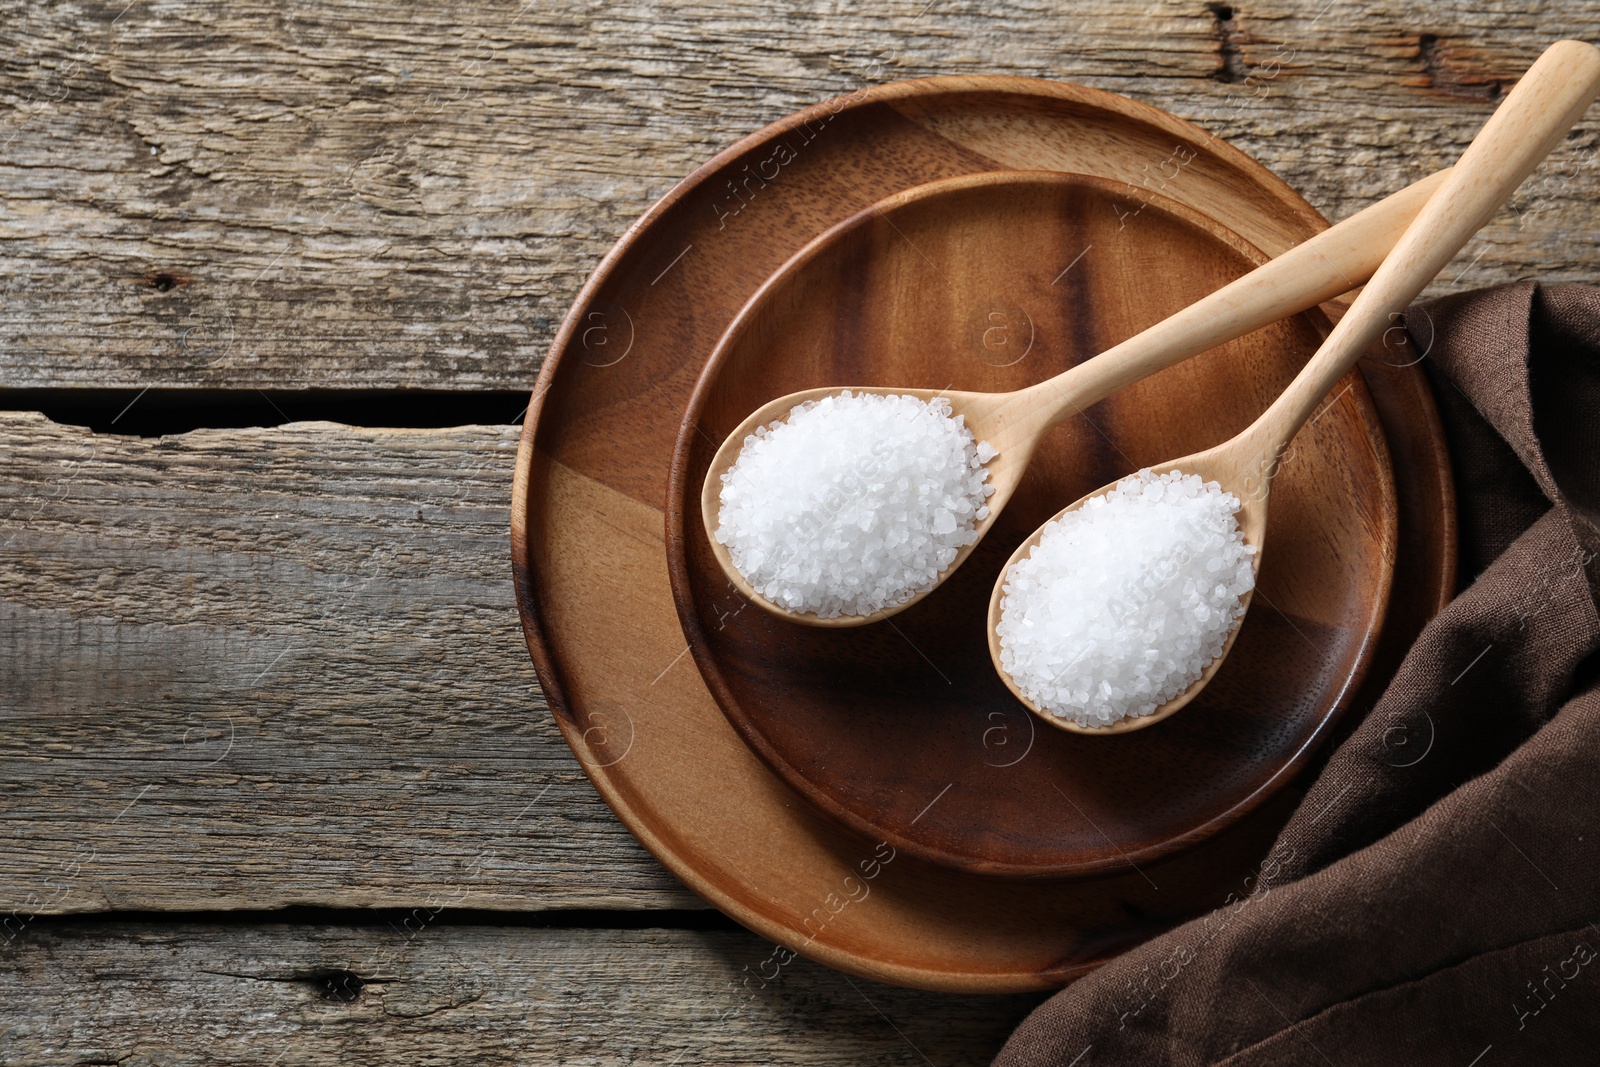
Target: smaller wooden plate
x,y
993,282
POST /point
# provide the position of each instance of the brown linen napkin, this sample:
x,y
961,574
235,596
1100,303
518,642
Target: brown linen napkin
x,y
1436,897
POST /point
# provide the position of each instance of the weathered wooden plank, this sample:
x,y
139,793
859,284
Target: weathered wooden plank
x,y
253,668
189,994
391,194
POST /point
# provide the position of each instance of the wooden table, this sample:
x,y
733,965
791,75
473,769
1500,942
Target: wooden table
x,y
279,784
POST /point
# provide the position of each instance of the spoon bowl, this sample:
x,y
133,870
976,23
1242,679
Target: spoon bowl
x,y
1213,465
992,417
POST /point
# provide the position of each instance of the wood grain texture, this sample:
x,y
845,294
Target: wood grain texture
x,y
387,194
259,668
191,994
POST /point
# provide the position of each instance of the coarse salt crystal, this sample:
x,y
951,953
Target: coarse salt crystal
x,y
1124,602
854,502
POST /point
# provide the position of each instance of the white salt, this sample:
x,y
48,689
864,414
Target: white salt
x,y
854,502
1125,601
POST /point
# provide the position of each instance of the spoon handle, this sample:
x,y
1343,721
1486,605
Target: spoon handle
x,y
1532,120
1333,262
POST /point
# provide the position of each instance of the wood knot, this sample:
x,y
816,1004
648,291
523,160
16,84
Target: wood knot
x,y
1443,72
164,281
1230,45
337,987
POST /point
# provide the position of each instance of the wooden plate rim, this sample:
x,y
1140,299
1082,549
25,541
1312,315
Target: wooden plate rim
x,y
684,866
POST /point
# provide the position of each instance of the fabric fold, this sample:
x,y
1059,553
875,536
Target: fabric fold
x,y
1442,875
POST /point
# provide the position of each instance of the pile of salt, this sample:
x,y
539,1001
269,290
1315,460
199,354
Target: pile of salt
x,y
1125,601
854,502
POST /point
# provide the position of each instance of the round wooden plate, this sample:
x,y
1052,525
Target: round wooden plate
x,y
994,282
589,558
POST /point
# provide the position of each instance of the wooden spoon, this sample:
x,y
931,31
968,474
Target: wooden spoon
x,y
1544,104
1334,262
